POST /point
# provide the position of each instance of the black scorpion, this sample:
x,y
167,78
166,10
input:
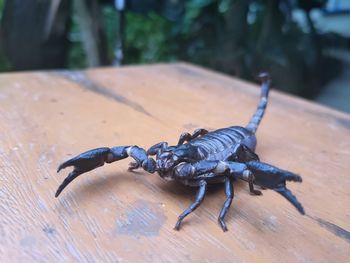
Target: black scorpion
x,y
220,156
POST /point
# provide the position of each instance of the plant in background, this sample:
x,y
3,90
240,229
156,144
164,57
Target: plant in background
x,y
238,37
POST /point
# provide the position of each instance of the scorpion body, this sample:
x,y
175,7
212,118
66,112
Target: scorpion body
x,y
199,159
217,145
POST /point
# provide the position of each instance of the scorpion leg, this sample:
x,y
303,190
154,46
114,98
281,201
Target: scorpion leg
x,y
92,159
199,198
194,170
251,187
229,197
157,148
153,150
187,136
259,173
198,171
242,153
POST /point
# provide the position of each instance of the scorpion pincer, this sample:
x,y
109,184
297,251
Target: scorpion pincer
x,y
201,158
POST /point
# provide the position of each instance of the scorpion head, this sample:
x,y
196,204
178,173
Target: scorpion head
x,y
166,162
172,156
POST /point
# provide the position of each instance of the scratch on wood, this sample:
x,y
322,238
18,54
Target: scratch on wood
x,y
337,230
144,218
84,81
74,252
342,122
189,71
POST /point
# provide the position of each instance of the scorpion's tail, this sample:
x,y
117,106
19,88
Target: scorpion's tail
x,y
259,113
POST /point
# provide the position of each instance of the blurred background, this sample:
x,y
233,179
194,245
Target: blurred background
x,y
304,44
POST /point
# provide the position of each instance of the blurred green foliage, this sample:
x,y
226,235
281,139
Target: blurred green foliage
x,y
76,54
238,37
4,64
148,39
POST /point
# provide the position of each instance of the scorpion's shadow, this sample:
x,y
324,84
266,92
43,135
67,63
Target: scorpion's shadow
x,y
98,186
178,189
106,183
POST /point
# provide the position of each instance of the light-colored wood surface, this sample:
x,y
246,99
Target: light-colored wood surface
x,y
110,215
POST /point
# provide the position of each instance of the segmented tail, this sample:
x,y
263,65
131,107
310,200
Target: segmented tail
x,y
259,113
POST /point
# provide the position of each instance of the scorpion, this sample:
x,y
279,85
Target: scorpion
x,y
199,159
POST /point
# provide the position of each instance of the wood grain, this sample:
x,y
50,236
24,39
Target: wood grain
x,y
110,215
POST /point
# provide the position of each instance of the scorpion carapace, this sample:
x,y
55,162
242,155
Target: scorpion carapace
x,y
199,159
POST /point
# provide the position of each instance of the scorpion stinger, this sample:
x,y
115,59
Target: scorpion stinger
x,y
199,159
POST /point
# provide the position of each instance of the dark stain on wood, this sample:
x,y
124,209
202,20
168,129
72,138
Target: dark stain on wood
x,y
337,230
339,121
345,123
84,81
188,71
142,219
50,231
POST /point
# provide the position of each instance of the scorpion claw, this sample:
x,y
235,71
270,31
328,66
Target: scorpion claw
x,y
66,164
92,159
82,163
133,166
286,193
271,177
69,178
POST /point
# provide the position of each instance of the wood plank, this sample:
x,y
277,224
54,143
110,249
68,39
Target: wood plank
x,y
111,215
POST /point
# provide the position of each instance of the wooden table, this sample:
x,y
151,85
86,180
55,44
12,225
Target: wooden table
x,y
110,215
